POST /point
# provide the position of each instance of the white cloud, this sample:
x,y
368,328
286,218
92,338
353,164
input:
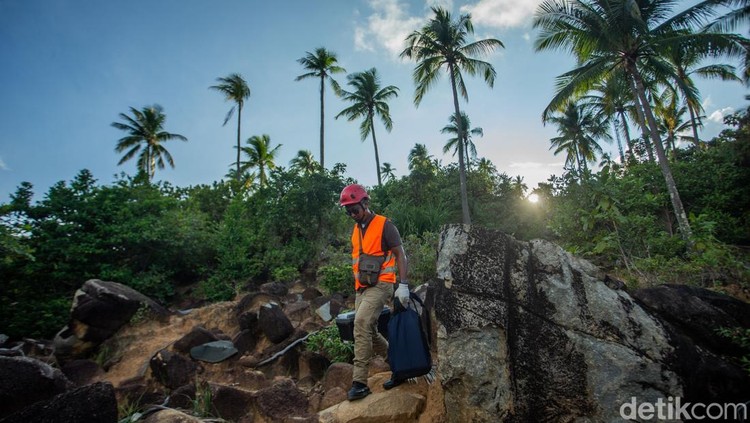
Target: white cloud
x,y
532,165
501,13
3,166
718,115
388,26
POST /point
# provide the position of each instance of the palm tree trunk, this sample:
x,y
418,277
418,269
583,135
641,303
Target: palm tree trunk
x,y
239,120
461,168
322,117
619,141
628,141
641,120
375,145
674,195
151,163
694,124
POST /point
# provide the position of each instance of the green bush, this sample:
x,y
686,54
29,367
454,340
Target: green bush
x,y
741,337
328,343
422,254
336,278
286,274
217,288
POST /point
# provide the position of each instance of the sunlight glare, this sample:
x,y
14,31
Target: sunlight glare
x,y
533,198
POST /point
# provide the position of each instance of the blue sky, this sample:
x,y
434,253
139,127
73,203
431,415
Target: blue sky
x,y
69,67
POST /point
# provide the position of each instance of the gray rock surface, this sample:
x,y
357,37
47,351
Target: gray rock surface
x,y
25,380
527,332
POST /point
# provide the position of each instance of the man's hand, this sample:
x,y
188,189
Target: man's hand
x,y
402,293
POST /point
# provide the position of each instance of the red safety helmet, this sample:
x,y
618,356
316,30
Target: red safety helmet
x,y
353,194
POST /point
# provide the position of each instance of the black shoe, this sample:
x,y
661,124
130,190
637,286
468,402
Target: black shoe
x,y
358,391
392,383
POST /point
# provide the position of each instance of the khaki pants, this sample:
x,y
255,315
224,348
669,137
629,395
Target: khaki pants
x,y
368,305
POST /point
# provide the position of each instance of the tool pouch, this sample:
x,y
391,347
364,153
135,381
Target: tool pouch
x,y
369,269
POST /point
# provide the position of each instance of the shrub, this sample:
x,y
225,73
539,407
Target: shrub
x,y
741,337
286,274
336,278
217,288
422,254
328,343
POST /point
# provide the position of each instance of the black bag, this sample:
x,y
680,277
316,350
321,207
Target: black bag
x,y
408,346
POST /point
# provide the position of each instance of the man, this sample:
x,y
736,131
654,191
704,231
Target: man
x,y
373,235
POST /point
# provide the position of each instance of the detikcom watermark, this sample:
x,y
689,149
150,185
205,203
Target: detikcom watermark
x,y
672,408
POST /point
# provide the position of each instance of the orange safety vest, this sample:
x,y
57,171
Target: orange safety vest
x,y
372,244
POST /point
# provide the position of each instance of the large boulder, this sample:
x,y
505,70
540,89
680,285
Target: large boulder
x,y
274,323
94,403
99,309
25,380
693,316
528,332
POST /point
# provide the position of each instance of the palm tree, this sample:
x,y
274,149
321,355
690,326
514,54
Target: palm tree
x,y
260,155
686,60
578,129
234,89
420,160
388,171
607,35
670,117
612,101
304,163
245,180
452,144
518,186
368,100
442,42
321,64
145,130
486,167
728,22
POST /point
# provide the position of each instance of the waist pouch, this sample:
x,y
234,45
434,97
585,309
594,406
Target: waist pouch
x,y
369,269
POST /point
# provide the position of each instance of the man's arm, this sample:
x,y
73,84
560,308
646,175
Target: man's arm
x,y
402,262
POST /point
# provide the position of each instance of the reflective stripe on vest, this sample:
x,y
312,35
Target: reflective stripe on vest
x,y
372,244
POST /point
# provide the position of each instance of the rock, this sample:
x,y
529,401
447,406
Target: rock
x,y
524,324
82,372
94,403
252,302
171,416
297,311
281,401
138,391
324,312
692,316
310,293
697,313
231,403
278,289
182,397
25,380
312,364
249,321
378,365
274,323
198,335
333,396
99,309
391,406
245,341
172,369
338,375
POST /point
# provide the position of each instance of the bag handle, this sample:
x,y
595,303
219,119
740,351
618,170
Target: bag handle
x,y
398,307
